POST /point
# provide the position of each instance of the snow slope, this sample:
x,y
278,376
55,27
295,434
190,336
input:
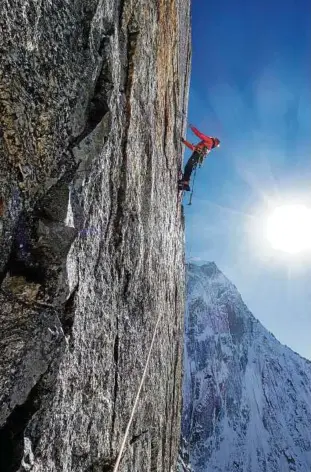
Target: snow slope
x,y
247,398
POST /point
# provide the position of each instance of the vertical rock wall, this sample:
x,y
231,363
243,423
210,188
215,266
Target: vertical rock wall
x,y
92,100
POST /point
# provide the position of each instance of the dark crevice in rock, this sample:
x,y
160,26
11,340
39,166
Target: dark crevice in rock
x,y
67,319
31,274
22,261
54,204
120,204
116,349
107,467
12,433
39,249
98,108
146,202
166,124
127,278
88,14
116,380
4,272
98,105
163,447
2,206
102,45
176,130
121,11
104,41
136,437
20,177
176,300
132,43
110,211
102,465
165,424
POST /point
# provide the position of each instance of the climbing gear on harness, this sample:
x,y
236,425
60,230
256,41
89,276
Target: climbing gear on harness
x,y
183,185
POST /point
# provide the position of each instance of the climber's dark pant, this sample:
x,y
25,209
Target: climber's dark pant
x,y
194,159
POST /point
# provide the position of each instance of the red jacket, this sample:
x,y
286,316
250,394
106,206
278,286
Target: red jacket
x,y
207,141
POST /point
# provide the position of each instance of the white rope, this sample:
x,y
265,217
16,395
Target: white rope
x,y
116,467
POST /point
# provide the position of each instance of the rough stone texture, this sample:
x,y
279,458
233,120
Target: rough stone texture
x,y
92,100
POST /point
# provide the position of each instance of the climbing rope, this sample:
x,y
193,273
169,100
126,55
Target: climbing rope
x,y
116,466
194,174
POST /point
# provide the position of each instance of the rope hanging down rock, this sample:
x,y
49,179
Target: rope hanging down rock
x,y
117,464
195,172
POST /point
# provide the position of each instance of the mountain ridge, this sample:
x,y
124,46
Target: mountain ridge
x,y
237,375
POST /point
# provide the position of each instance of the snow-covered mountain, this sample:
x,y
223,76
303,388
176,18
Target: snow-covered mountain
x,y
247,398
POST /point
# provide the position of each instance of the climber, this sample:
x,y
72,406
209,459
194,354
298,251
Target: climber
x,y
200,151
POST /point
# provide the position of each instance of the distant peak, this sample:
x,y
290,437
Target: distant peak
x,y
210,265
208,268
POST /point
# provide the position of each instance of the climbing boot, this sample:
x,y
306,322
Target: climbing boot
x,y
183,185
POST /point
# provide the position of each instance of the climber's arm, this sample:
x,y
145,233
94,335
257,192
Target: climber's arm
x,y
189,145
200,135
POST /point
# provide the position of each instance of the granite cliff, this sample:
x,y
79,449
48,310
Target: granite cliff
x,y
93,96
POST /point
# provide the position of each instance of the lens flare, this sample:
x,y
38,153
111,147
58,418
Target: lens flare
x,y
289,228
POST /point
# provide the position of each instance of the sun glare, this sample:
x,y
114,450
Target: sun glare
x,y
289,228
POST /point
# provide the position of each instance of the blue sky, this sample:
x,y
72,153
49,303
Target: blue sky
x,y
250,86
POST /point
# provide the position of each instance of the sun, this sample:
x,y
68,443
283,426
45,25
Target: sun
x,y
289,228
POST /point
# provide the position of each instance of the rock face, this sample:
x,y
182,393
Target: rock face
x,y
247,398
92,100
